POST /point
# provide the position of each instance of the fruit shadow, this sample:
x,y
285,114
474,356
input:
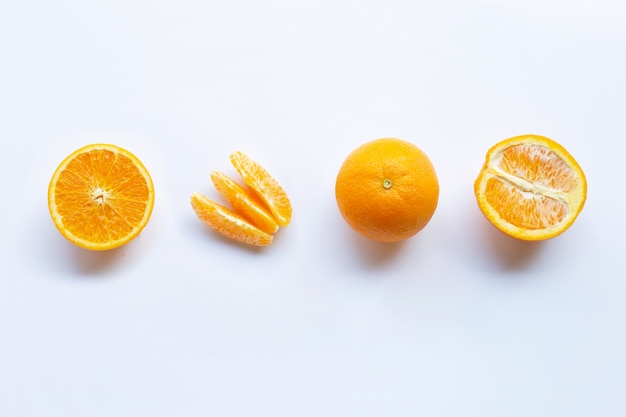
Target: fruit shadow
x,y
509,253
55,253
73,261
375,254
97,263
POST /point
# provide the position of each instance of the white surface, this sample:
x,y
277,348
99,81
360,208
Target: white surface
x,y
458,321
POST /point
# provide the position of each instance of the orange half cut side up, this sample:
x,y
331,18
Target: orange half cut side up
x,y
100,197
530,187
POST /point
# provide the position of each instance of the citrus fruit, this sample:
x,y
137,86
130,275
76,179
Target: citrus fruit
x,y
267,188
387,190
100,197
258,209
245,202
227,222
530,187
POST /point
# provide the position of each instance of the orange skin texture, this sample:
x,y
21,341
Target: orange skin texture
x,y
387,190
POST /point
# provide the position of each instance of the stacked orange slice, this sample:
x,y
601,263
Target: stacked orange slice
x,y
259,207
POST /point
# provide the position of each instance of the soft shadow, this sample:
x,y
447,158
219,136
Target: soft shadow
x,y
57,254
96,263
510,253
375,254
73,261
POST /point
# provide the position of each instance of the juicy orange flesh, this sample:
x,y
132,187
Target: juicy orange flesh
x,y
536,199
245,202
522,208
228,223
101,196
266,187
539,165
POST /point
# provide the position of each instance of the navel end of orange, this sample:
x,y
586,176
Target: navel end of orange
x,y
387,189
228,223
265,186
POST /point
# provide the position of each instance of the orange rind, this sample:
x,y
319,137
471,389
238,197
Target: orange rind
x,y
530,187
100,197
387,190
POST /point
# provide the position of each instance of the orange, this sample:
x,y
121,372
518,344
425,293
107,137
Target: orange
x,y
266,187
245,202
100,197
530,187
387,190
225,221
258,209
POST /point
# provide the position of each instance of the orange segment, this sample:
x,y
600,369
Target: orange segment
x,y
266,187
100,197
245,202
225,221
530,187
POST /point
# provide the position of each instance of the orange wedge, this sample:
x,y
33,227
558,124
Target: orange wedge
x,y
225,221
266,187
530,187
245,202
100,197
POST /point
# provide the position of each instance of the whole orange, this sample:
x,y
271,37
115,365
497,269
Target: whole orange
x,y
387,189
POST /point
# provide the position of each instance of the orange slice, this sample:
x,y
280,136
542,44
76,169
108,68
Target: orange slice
x,y
245,202
530,187
100,197
266,187
225,221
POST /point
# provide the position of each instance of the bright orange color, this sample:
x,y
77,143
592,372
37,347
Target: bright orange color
x,y
260,207
100,197
245,202
265,186
227,222
387,190
530,187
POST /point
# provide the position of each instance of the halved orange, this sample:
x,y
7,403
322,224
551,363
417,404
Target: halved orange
x,y
245,202
225,221
100,197
530,187
267,188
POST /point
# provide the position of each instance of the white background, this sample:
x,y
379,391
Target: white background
x,y
457,321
